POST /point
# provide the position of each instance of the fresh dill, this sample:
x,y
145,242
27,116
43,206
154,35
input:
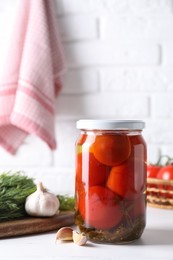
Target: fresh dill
x,y
66,202
14,188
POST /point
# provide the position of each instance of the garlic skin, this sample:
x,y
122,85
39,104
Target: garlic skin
x,y
79,238
64,234
41,203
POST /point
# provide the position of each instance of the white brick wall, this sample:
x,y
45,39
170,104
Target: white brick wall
x,y
120,65
111,52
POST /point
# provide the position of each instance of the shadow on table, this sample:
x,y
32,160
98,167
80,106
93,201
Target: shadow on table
x,y
156,237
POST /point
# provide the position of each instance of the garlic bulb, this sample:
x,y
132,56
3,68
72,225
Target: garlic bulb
x,y
41,203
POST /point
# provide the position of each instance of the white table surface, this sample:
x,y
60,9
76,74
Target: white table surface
x,y
155,243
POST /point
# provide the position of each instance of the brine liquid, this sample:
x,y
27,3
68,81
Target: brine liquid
x,y
111,186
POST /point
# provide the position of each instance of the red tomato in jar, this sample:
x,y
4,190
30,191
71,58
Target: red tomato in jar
x,y
89,171
117,180
128,179
111,149
137,207
165,173
82,139
138,147
152,171
100,208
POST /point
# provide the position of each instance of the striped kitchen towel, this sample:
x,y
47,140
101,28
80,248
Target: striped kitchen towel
x,y
31,66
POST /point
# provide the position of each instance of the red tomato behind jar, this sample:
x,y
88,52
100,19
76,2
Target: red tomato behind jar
x,y
165,172
152,171
111,150
100,208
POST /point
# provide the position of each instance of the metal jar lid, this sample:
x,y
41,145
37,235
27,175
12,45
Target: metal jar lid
x,y
110,124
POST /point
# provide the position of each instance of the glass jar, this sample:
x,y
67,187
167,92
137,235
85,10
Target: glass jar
x,y
110,183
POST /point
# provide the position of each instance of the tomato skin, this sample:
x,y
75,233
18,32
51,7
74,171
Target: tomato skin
x,y
100,208
152,171
111,149
128,179
117,180
136,152
81,139
165,173
89,171
138,207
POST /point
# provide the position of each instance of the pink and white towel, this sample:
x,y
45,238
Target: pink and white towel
x,y
31,66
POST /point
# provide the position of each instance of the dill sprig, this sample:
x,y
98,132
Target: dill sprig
x,y
66,202
14,189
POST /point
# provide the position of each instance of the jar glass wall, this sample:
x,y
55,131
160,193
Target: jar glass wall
x,y
110,180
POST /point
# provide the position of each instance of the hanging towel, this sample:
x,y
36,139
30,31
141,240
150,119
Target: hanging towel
x,y
31,65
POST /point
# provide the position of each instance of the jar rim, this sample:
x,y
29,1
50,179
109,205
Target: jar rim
x,y
100,124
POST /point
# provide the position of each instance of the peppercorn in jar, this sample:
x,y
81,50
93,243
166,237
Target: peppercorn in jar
x,y
110,184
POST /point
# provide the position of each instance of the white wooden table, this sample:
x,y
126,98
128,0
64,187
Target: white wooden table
x,y
156,243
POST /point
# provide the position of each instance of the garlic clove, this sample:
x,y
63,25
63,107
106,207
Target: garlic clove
x,y
41,203
64,234
79,238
